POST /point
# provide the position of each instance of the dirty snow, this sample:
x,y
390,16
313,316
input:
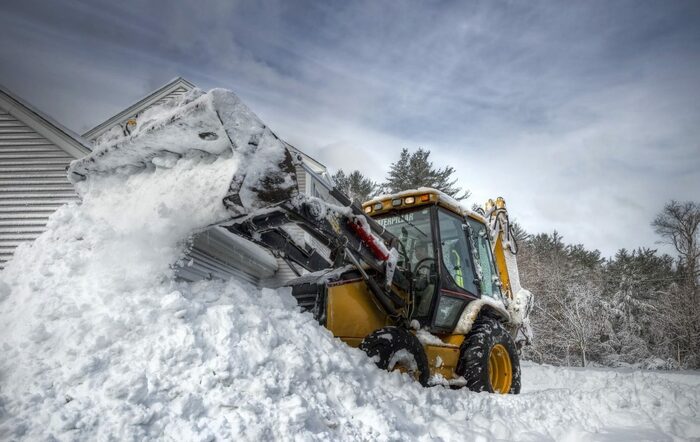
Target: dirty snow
x,y
100,342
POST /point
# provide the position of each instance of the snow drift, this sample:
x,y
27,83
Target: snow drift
x,y
99,341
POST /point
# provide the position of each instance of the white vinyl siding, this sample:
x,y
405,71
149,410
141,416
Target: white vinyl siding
x,y
33,183
284,274
301,179
217,253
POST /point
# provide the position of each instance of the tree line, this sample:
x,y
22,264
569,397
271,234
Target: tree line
x,y
638,308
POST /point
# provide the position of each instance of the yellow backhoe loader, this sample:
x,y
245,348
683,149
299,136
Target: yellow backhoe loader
x,y
418,282
456,319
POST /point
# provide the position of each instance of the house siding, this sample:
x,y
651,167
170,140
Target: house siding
x,y
301,179
217,253
33,183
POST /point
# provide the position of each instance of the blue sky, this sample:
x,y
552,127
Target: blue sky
x,y
585,116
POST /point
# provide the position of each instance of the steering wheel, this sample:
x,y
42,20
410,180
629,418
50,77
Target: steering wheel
x,y
422,263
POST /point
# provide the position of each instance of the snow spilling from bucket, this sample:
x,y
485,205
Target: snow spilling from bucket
x,y
98,341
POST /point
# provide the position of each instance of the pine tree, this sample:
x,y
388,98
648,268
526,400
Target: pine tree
x,y
414,170
355,185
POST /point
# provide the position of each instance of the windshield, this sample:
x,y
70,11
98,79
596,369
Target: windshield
x,y
413,231
416,253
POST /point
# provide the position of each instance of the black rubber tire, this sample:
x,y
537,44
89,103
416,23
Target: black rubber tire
x,y
475,351
381,345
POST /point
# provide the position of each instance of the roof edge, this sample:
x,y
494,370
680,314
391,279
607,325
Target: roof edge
x,y
142,103
45,125
318,166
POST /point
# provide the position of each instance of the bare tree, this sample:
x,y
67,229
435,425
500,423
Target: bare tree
x,y
577,317
569,318
679,224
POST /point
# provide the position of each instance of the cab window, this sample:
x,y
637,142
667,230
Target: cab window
x,y
489,280
455,251
416,254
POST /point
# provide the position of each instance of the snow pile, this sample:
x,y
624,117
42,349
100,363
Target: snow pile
x,y
99,341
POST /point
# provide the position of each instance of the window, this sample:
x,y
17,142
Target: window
x,y
455,253
448,311
486,270
416,254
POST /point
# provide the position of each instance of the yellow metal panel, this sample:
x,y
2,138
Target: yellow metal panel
x,y
351,312
455,340
449,356
501,266
352,315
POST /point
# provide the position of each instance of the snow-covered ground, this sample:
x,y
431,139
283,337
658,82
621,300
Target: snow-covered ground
x,y
99,342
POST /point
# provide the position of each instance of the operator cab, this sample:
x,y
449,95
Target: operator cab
x,y
446,250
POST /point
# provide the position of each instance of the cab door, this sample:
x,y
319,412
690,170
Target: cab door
x,y
458,282
487,277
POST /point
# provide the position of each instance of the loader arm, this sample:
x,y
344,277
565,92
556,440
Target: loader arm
x,y
353,238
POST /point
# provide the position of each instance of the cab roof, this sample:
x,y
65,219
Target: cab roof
x,y
409,199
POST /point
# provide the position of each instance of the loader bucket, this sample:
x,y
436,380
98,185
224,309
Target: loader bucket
x,y
215,123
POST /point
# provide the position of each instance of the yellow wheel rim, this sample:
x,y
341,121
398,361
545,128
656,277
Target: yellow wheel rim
x,y
500,369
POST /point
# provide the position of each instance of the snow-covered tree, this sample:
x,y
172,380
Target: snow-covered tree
x,y
568,319
413,170
636,286
355,185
